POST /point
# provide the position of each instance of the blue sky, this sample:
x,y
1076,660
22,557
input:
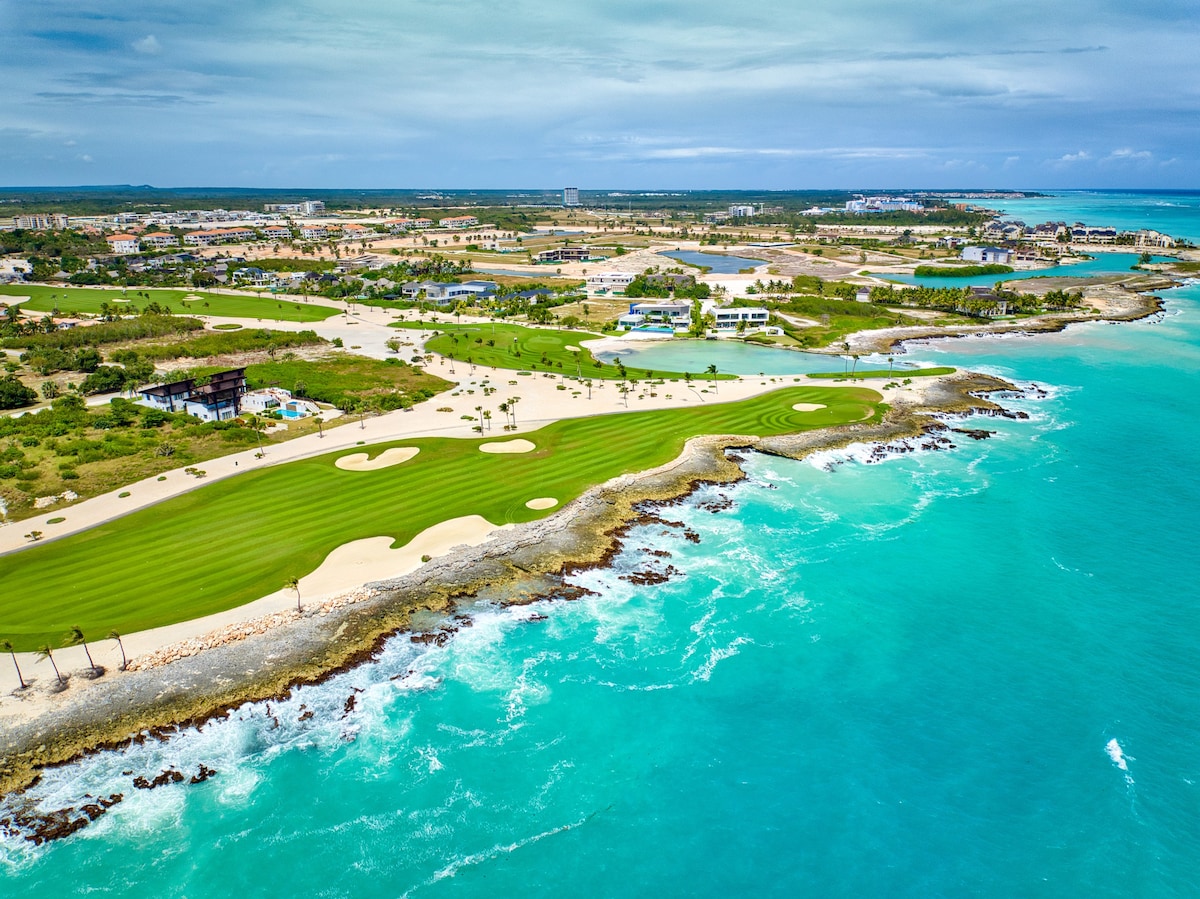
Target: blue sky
x,y
601,93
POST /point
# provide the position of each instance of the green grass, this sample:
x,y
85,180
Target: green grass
x,y
885,373
531,349
233,541
87,300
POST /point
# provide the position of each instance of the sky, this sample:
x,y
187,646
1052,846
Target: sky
x,y
678,94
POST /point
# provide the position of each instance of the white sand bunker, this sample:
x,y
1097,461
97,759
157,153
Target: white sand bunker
x,y
542,502
363,462
373,559
807,407
572,348
508,446
192,298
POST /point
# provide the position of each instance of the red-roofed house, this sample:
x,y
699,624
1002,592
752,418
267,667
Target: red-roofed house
x,y
160,239
123,243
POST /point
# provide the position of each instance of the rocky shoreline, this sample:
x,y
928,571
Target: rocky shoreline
x,y
189,683
1116,302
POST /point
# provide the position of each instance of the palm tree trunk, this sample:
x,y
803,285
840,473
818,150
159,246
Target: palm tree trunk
x,y
20,677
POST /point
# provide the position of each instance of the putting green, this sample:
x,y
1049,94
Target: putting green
x,y
236,540
88,300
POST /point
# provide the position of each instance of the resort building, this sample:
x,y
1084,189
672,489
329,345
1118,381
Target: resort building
x,y
123,244
160,239
603,282
564,254
987,255
458,221
217,400
211,237
39,221
314,232
1153,239
570,196
277,232
445,294
742,211
656,316
883,204
308,207
743,317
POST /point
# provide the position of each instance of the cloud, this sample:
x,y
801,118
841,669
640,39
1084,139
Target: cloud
x,y
674,92
148,45
1128,154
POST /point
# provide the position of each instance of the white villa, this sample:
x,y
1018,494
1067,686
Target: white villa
x,y
987,255
604,282
732,318
677,316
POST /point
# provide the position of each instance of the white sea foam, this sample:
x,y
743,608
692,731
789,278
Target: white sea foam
x,y
1113,748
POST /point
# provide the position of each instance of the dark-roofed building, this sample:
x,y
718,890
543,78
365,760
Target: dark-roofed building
x,y
217,400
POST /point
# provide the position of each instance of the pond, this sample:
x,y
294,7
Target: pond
x,y
1102,264
731,357
719,263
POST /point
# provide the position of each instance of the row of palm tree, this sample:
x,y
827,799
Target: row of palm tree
x,y
74,638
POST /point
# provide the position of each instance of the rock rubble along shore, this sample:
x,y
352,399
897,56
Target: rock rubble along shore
x,y
207,677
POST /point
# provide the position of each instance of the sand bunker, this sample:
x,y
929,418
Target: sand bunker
x,y
508,446
542,502
373,559
807,407
572,348
363,462
193,298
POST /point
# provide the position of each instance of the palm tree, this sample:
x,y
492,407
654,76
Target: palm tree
x,y
113,635
8,647
712,370
75,638
293,583
891,359
45,653
853,368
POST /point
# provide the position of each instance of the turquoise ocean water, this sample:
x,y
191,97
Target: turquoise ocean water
x,y
972,672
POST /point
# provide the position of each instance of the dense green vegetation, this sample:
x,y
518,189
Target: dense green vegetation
x,y
113,301
236,540
961,271
661,287
965,301
219,343
343,380
89,451
121,330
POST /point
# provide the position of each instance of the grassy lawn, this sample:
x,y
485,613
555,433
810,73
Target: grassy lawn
x,y
236,540
885,373
529,349
87,300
